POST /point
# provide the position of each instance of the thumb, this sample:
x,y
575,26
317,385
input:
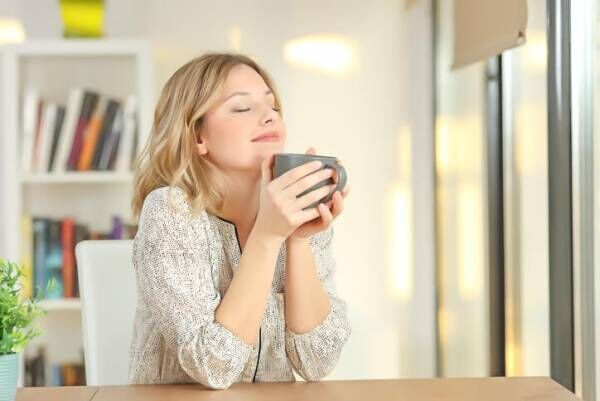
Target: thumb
x,y
266,173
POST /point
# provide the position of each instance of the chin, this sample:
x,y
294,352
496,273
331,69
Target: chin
x,y
275,147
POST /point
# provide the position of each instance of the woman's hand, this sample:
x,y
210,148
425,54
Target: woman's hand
x,y
327,212
281,211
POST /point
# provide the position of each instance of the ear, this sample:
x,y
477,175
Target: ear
x,y
201,146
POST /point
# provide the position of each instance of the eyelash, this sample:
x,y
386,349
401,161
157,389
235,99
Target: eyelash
x,y
241,111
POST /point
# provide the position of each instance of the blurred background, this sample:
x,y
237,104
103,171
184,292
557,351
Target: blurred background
x,y
468,245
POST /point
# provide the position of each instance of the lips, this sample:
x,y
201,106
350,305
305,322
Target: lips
x,y
267,137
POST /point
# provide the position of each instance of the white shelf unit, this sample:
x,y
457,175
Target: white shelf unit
x,y
113,67
82,178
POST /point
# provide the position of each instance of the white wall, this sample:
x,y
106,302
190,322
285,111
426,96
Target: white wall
x,y
528,345
377,118
462,210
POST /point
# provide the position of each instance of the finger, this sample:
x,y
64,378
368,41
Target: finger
x,y
266,172
311,151
326,215
293,175
313,196
338,204
308,182
304,216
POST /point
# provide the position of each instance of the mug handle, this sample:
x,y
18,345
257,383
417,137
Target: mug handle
x,y
341,174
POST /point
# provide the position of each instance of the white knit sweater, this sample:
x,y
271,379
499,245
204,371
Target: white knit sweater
x,y
183,267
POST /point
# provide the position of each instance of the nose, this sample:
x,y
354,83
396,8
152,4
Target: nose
x,y
268,116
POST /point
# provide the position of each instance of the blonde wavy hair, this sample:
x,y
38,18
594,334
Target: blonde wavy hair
x,y
170,156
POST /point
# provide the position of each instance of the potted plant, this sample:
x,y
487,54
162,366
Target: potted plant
x,y
16,318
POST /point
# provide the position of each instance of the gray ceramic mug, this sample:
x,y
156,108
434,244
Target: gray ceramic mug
x,y
287,161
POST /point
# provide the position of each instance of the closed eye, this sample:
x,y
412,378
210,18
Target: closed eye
x,y
243,110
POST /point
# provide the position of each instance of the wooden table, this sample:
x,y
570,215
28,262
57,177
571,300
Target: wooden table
x,y
488,389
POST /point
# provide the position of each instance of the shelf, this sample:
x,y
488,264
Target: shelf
x,y
80,47
112,66
63,304
78,178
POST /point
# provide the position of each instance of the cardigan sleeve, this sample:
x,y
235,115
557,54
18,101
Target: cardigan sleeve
x,y
174,280
315,353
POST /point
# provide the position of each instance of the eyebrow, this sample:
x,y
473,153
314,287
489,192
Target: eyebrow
x,y
244,94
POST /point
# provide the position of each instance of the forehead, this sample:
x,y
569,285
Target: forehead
x,y
244,78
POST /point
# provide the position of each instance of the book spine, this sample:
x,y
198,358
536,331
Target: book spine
x,y
68,226
45,138
73,110
54,260
89,104
27,256
112,143
117,228
91,136
40,241
38,128
109,117
60,117
30,111
127,149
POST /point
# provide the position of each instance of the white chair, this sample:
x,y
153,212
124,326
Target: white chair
x,y
108,300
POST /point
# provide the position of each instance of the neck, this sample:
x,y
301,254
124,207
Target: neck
x,y
242,199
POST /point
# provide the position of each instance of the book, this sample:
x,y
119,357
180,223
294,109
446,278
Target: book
x,y
127,142
107,124
60,117
45,137
56,370
82,233
41,371
27,256
51,252
90,100
40,245
67,132
117,228
68,248
29,128
35,368
112,141
90,138
36,140
53,262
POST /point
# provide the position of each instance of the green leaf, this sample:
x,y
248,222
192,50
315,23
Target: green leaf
x,y
16,315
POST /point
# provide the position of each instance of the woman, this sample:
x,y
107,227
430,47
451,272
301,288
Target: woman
x,y
234,278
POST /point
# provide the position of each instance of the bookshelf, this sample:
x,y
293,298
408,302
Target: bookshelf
x,y
116,68
82,178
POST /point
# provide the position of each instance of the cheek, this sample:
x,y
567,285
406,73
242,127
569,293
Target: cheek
x,y
227,131
230,142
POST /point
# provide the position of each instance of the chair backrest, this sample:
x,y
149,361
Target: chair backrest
x,y
108,300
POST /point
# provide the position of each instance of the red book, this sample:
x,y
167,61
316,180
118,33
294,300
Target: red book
x,y
68,245
90,99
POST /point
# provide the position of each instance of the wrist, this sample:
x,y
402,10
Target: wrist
x,y
296,240
265,238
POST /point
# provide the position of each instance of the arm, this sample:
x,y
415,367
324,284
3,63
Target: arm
x,y
318,325
175,280
306,302
244,304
